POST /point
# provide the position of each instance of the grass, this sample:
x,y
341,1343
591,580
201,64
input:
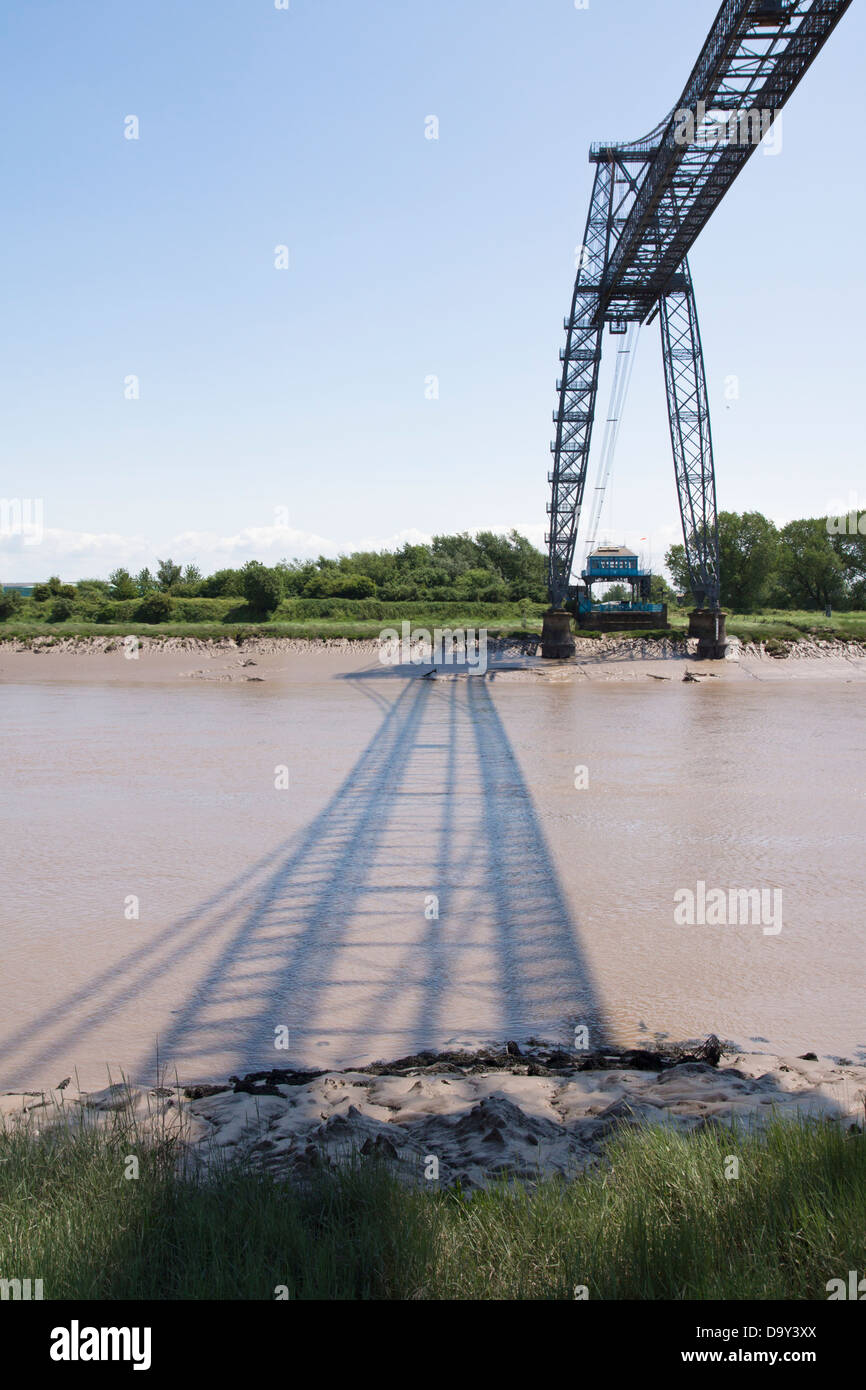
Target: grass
x,y
498,620
661,1222
778,626
315,629
790,625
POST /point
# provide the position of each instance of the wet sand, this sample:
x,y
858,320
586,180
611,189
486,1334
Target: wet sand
x,y
115,661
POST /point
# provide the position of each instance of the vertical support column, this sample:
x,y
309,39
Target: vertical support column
x,y
557,642
691,437
708,625
578,387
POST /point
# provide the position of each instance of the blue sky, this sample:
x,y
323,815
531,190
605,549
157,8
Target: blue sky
x,y
283,412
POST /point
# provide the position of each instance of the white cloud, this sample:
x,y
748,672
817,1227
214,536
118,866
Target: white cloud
x,y
94,554
410,536
252,543
71,554
533,531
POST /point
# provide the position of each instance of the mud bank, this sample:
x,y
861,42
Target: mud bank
x,y
138,660
481,1115
517,645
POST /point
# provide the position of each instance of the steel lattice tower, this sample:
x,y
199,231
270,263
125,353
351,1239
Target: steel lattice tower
x,y
650,200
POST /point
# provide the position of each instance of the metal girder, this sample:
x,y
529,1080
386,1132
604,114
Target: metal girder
x,y
651,198
577,390
691,436
749,65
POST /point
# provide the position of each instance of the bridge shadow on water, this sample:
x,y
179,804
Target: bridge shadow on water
x,y
419,908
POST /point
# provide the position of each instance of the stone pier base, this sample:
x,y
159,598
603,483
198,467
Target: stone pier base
x,y
556,639
709,628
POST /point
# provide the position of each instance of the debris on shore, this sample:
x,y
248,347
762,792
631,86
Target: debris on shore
x,y
514,1111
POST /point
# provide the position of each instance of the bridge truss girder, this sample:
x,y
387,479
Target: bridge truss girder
x,y
650,200
748,66
691,436
578,387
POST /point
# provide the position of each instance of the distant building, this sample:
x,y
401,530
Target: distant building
x,y
11,585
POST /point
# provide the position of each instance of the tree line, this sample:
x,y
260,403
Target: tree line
x,y
486,568
810,563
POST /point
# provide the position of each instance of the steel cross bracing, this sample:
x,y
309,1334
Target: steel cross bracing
x,y
747,67
577,388
691,437
650,199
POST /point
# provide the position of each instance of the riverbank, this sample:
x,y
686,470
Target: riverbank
x,y
523,1113
252,660
496,1175
215,620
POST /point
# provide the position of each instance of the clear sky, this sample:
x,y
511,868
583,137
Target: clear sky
x,y
286,411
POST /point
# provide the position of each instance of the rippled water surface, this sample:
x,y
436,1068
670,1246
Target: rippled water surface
x,y
431,875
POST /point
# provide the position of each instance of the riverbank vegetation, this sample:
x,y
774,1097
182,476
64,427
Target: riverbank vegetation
x,y
776,630
813,563
662,1218
776,585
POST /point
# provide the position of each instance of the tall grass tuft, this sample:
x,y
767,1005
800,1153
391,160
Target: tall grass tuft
x,y
658,1220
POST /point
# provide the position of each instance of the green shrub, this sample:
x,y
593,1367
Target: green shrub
x,y
263,588
155,607
223,584
123,585
10,603
774,646
201,610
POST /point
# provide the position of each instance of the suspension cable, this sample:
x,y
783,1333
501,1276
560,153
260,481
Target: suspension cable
x,y
625,360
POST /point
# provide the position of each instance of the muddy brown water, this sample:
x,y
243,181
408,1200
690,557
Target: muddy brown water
x,y
430,876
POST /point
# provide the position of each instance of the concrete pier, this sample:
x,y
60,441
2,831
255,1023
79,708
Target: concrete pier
x,y
557,641
709,628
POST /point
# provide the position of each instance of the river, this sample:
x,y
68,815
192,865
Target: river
x,y
332,866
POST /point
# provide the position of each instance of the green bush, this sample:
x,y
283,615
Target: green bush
x,y
355,586
10,603
449,610
202,610
123,586
339,584
155,607
263,588
223,584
